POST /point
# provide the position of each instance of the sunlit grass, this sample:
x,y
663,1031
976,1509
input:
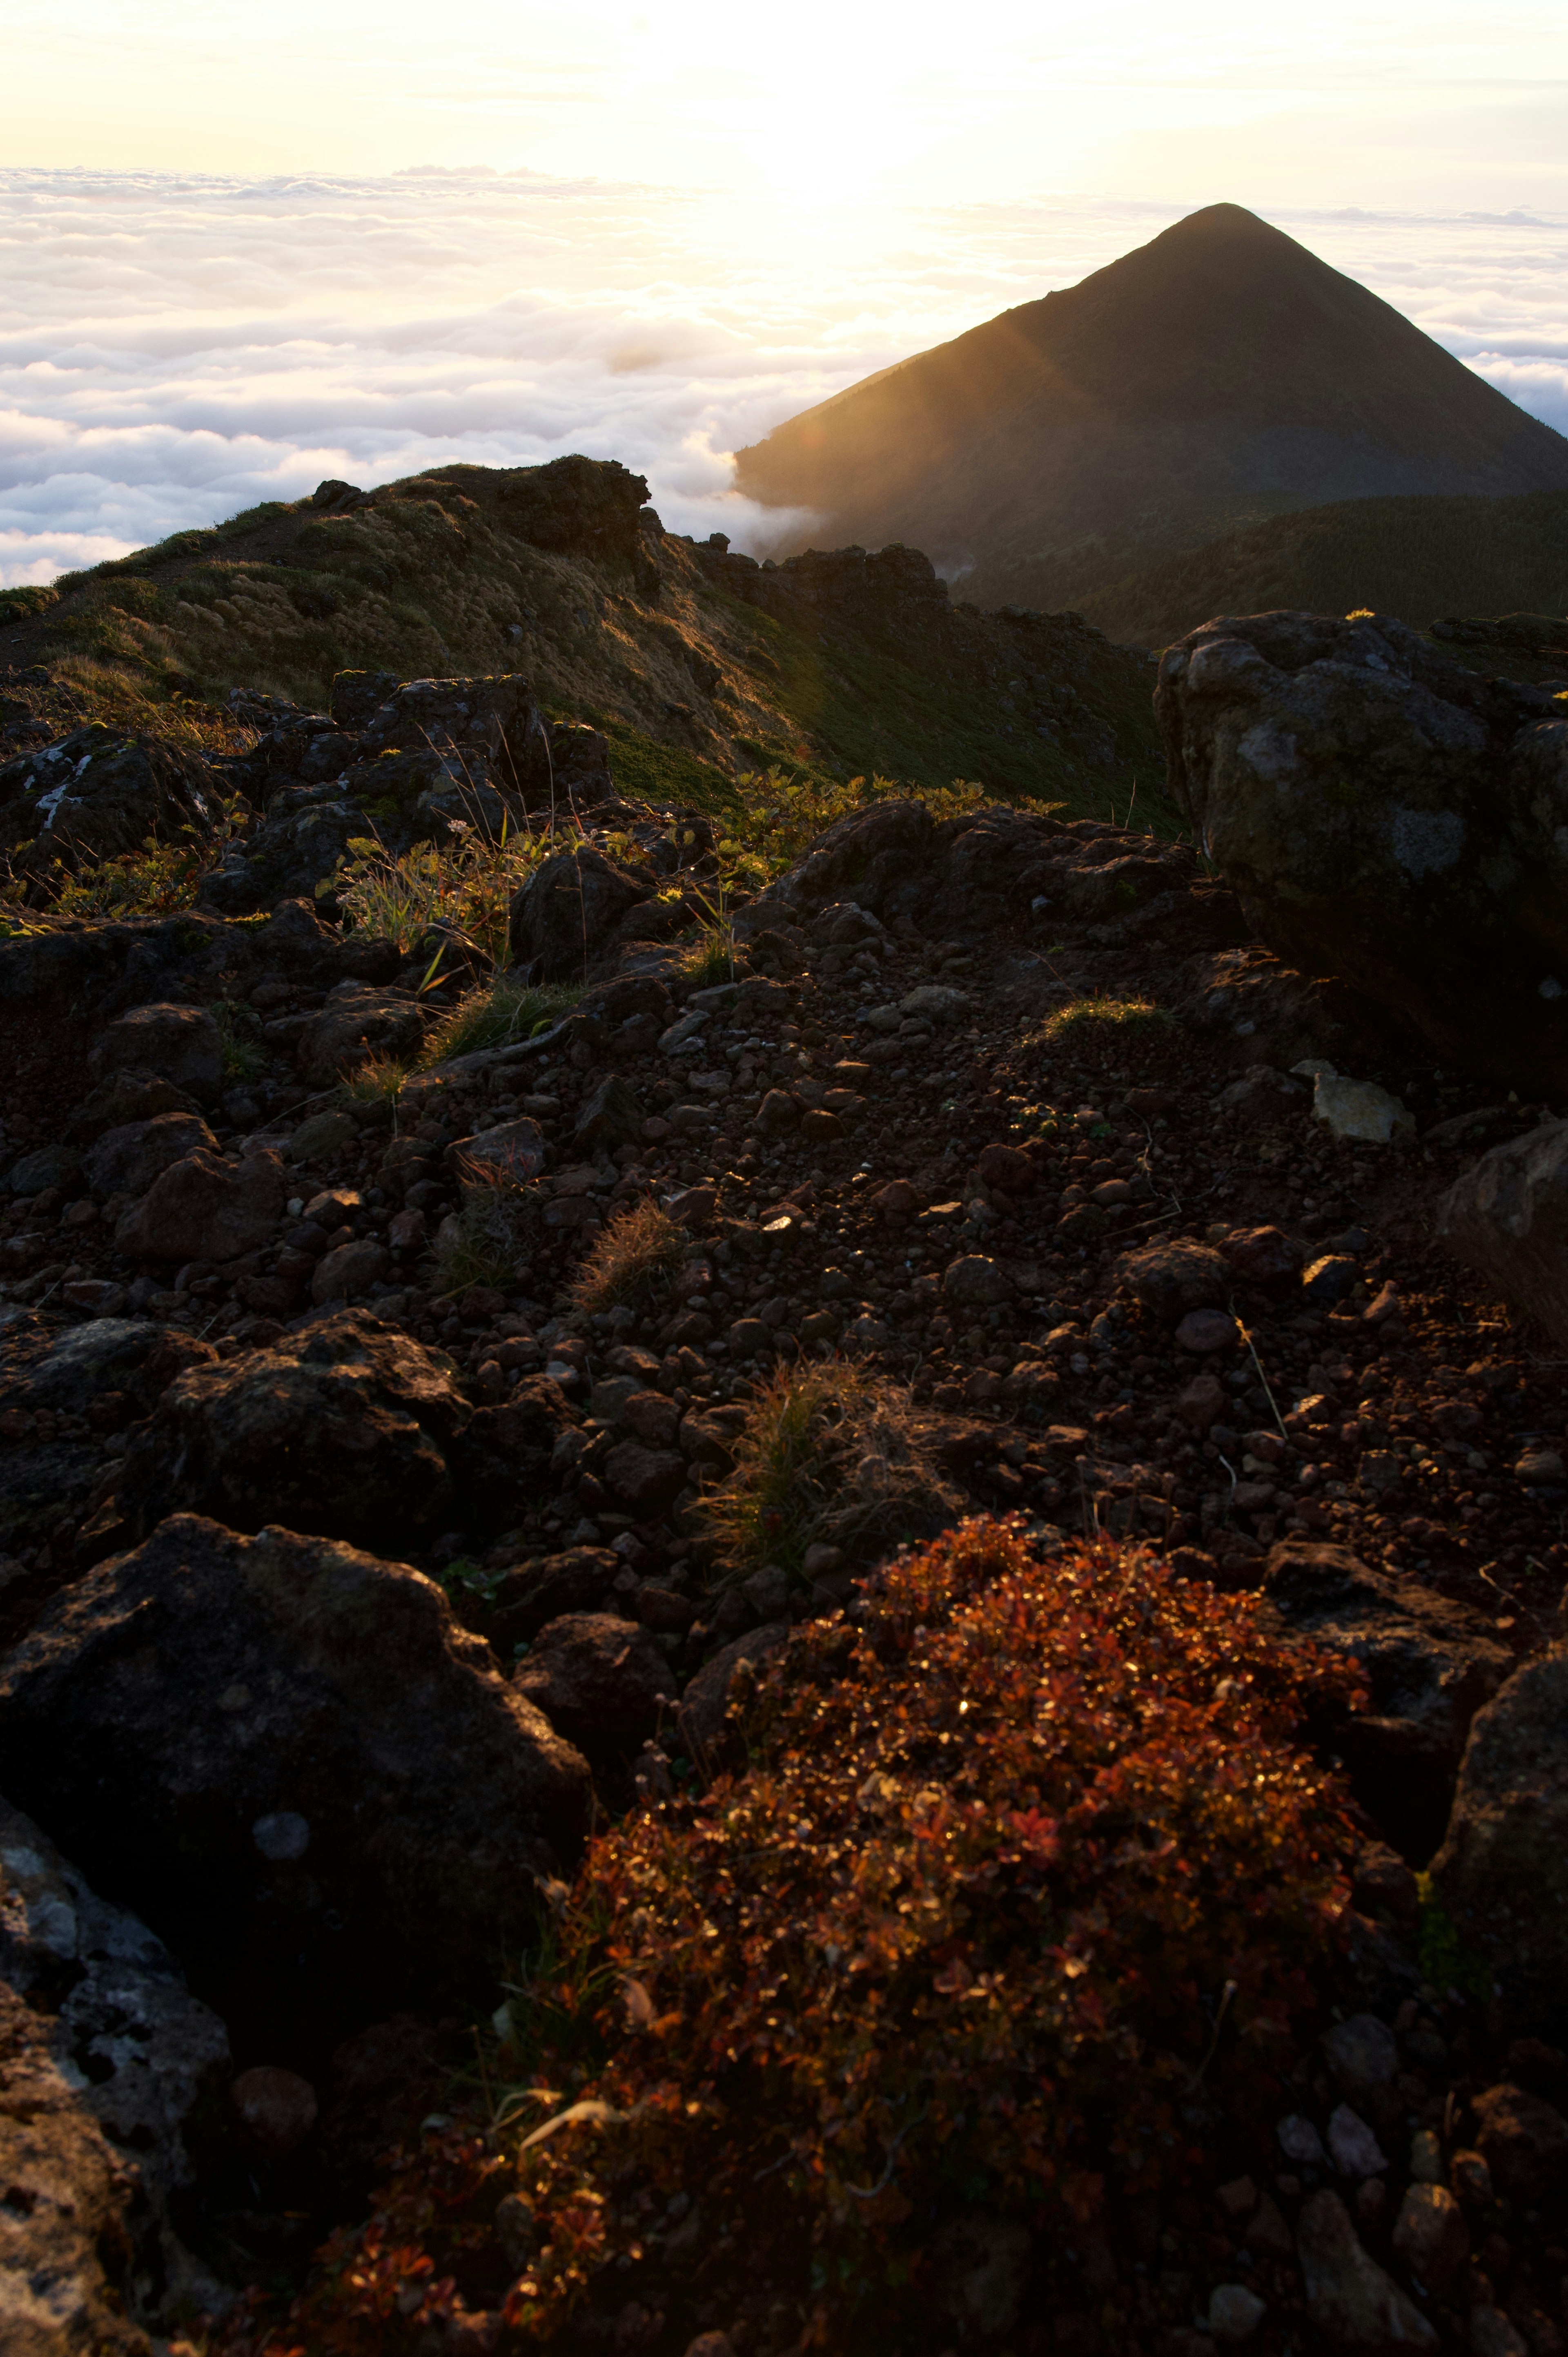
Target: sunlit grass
x,y
630,1260
497,1016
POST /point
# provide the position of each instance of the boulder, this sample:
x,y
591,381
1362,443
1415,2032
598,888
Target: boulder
x,y
126,1159
177,1703
707,1698
578,1580
1430,1664
124,1100
502,1458
1501,1876
600,1681
132,1356
179,1044
1385,816
564,918
50,1165
1349,2300
1172,1278
147,2060
344,1428
976,1283
98,794
1508,1216
349,1030
1524,2142
203,1208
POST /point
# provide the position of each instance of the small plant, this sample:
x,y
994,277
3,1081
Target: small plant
x,y
826,1455
633,1258
379,1080
495,1016
245,1058
1101,1012
471,883
495,1235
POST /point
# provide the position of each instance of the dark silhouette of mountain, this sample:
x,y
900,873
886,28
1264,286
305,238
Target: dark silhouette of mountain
x,y
1219,375
1418,558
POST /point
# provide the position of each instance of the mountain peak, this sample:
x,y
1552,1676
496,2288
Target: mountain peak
x,y
1219,374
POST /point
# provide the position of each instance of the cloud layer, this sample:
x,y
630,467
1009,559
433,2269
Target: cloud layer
x,y
175,347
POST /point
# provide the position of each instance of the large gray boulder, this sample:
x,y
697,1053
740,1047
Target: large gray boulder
x,y
1385,816
1508,1216
288,1752
1501,1876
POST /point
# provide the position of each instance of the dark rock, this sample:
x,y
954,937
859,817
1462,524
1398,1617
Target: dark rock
x,y
133,1355
1261,1256
98,794
1171,1278
1349,2300
1384,815
351,1030
513,1150
1508,1216
1524,2142
565,917
502,1458
611,1116
1430,1664
975,1282
646,1480
181,1044
122,1102
1329,1280
178,1699
578,1580
600,1681
202,1208
1501,1876
349,1273
125,1160
707,1698
343,1428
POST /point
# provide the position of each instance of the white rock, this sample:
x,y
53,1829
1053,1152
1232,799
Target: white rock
x,y
1360,1109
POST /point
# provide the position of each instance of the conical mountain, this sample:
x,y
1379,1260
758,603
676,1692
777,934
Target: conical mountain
x,y
1215,376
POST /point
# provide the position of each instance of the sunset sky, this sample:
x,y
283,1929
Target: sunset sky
x,y
243,250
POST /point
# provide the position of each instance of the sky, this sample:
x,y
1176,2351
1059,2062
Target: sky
x,y
241,250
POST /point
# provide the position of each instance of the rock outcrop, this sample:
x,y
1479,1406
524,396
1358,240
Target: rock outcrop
x,y
1508,1217
1385,816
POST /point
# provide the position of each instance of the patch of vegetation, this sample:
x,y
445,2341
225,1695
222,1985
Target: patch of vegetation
x,y
397,897
631,1259
1013,1867
1445,1962
827,1456
155,881
496,1016
1101,1012
239,1028
495,1235
379,1080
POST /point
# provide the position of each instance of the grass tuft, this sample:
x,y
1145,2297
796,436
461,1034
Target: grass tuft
x,y
631,1259
494,1236
827,1455
1103,1013
377,1082
495,1016
244,1058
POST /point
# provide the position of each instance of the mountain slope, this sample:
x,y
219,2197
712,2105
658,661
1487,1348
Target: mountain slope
x,y
1215,377
696,664
1418,558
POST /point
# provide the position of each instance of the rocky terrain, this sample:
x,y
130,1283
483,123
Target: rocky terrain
x,y
410,1449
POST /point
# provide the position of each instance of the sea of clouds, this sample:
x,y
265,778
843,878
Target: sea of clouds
x,y
173,348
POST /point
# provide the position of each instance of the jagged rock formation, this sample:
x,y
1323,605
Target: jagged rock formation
x,y
1219,374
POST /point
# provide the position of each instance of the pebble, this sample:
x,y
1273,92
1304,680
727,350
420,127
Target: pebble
x,y
1355,2149
1300,2142
1234,2312
1206,1330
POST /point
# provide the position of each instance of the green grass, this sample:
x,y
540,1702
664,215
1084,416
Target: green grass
x,y
1087,1016
495,1016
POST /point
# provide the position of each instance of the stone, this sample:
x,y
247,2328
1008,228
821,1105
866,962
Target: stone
x,y
1300,2142
1204,1331
610,1117
748,1337
767,1592
701,1718
1501,1876
601,1681
981,2267
1349,2300
349,1031
1493,2334
776,1114
144,2059
1361,1110
1202,1403
1508,1217
349,1272
51,1166
646,1480
936,1001
1431,2235
126,1161
208,1679
179,1044
514,1151
345,1429
203,1208
1523,2140
1234,2312
578,1580
1353,2147
1431,1664
1386,816
124,1100
1005,1166
97,794
975,1283
323,1134
1172,1278
278,2107
1541,1469
566,917
896,1200
1326,1282
1362,2055
1261,1256
135,1356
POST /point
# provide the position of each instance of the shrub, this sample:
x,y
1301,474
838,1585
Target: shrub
x,y
1012,1910
633,1258
826,1455
470,884
494,1017
155,881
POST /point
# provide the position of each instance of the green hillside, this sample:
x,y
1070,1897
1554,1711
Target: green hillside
x,y
1418,557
